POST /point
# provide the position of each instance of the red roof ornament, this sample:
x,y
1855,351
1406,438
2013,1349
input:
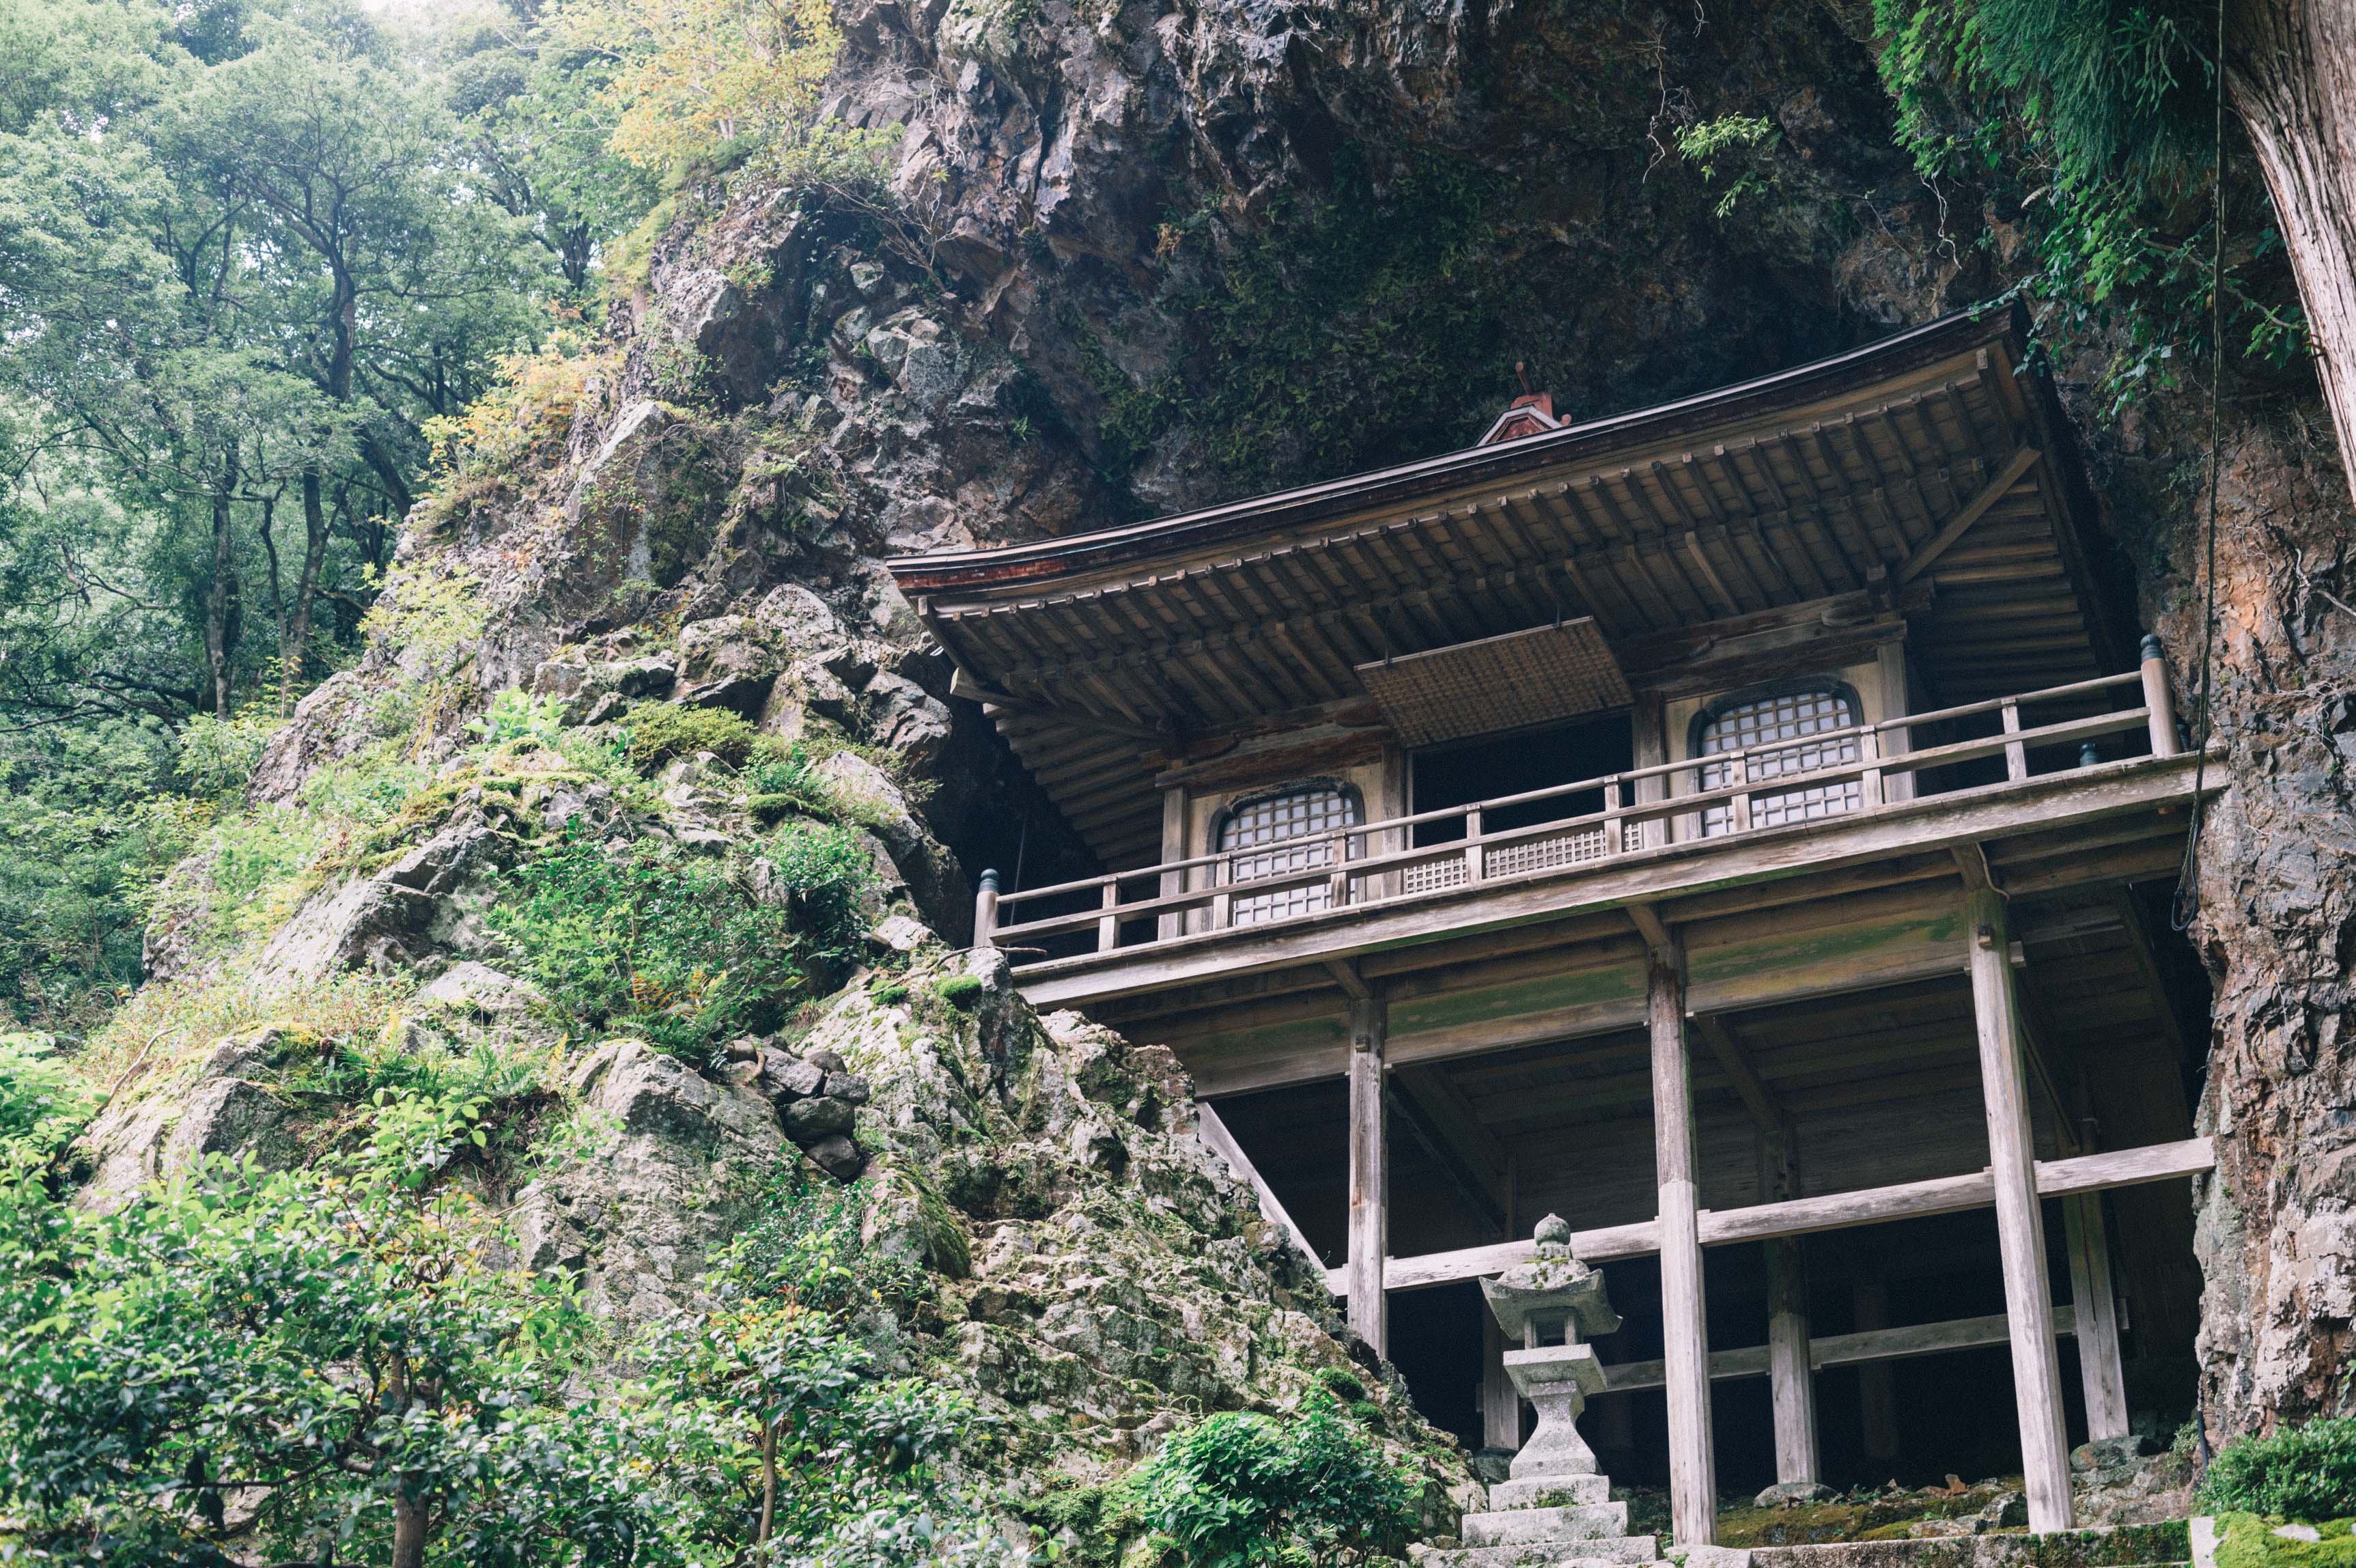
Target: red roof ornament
x,y
1528,415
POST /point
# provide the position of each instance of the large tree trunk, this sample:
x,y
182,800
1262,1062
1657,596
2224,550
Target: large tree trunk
x,y
2275,1225
222,608
2291,76
294,634
410,1522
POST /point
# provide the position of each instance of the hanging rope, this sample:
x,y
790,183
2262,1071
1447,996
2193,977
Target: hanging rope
x,y
2186,907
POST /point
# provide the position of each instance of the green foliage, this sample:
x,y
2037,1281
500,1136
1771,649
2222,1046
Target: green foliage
x,y
1732,140
960,991
1241,1488
217,756
2247,1541
42,1105
660,731
85,836
784,1391
686,948
336,1346
2298,1473
784,778
2094,119
515,714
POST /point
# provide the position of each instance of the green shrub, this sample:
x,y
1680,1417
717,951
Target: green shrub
x,y
784,778
679,948
660,731
515,714
1241,1488
42,1106
2298,1473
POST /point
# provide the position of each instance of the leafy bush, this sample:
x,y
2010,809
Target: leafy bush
x,y
1241,1488
515,714
234,1333
786,779
2298,1473
660,731
42,1105
685,949
217,756
784,1390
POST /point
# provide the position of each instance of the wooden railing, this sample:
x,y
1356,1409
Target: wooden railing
x,y
1724,796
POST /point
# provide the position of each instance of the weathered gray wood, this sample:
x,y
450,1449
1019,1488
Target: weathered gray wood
x,y
2159,702
2041,803
1500,1405
2125,1168
1878,1344
1791,1377
1447,1124
985,911
1877,1388
1869,1351
2100,1374
1370,1175
2021,1227
1974,510
1174,847
1756,1097
1214,1132
1805,1216
1693,1474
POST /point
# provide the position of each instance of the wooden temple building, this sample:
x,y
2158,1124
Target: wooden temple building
x,y
1733,826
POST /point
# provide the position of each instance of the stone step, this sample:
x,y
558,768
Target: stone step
x,y
1549,1492
1606,1552
1583,1521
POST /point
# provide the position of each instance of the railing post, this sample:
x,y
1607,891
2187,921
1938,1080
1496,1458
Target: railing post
x,y
985,911
2159,704
1222,873
1869,749
1108,928
1738,813
1615,802
1475,863
2016,754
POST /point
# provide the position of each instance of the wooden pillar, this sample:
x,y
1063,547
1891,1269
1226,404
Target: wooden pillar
x,y
1791,1380
1369,1173
2100,1372
1501,1403
1693,1481
2159,704
2020,1226
1877,1389
1649,747
1174,847
985,911
1890,659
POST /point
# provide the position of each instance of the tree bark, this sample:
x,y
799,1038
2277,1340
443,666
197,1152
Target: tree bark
x,y
295,631
410,1521
768,1482
2290,76
223,616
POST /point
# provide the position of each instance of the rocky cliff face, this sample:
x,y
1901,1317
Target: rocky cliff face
x,y
1134,257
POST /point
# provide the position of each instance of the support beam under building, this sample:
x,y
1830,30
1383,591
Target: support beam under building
x,y
1693,1481
2020,1226
1790,1377
1370,1175
2100,1370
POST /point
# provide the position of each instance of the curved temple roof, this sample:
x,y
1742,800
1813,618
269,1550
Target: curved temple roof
x,y
1925,477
